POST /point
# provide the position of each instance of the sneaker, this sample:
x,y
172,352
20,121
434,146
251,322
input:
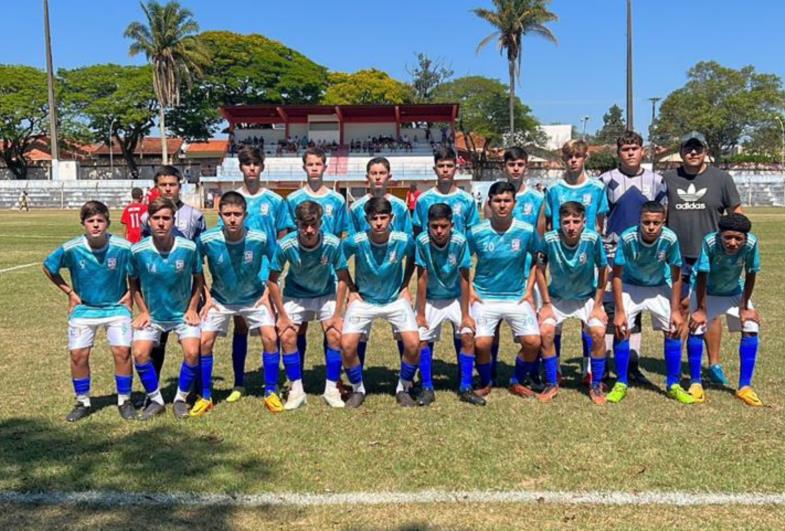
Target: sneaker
x,y
549,393
181,409
534,383
236,394
273,403
127,410
749,397
333,398
521,390
295,400
678,393
717,375
597,395
618,393
426,397
470,397
404,399
79,412
202,407
345,390
151,410
484,391
355,400
696,391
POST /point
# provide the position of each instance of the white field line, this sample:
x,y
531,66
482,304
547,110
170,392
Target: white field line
x,y
7,269
117,499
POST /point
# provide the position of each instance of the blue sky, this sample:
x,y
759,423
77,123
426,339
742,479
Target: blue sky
x,y
583,75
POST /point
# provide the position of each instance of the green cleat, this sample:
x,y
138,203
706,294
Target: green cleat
x,y
618,393
678,393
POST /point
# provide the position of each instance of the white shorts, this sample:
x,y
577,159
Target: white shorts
x,y
360,316
438,311
565,309
219,315
311,309
153,331
652,299
519,315
81,332
717,306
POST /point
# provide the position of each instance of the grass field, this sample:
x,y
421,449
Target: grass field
x,y
646,443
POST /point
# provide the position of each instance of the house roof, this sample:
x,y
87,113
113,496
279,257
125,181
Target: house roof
x,y
275,114
149,145
209,148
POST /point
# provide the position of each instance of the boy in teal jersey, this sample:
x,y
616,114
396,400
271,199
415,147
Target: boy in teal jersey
x,y
381,292
501,290
575,257
377,173
464,209
166,283
443,263
717,290
236,256
98,263
315,260
647,277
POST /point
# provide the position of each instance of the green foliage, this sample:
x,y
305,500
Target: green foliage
x,y
23,113
613,125
366,87
602,161
427,76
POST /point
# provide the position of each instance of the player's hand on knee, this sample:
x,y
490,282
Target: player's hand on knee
x,y
334,323
468,323
750,314
421,321
546,313
599,313
697,320
620,326
141,321
677,324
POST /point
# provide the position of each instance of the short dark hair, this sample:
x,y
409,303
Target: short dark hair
x,y
572,208
250,155
629,137
93,208
655,207
515,153
308,211
377,205
161,203
137,193
165,171
316,152
735,222
439,211
500,187
377,160
444,153
232,198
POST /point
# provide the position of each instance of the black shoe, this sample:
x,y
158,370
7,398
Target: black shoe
x,y
181,409
152,409
355,400
426,397
404,399
469,397
635,376
534,383
79,412
127,410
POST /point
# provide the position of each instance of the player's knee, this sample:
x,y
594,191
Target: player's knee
x,y
333,337
597,334
121,354
547,333
531,343
80,356
288,340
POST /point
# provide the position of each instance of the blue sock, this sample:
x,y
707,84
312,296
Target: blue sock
x,y
148,377
302,343
239,353
494,361
206,371
187,375
270,362
291,364
355,375
466,364
399,344
597,371
361,351
333,363
695,356
484,370
557,346
426,367
748,352
123,383
551,370
407,371
81,386
672,361
621,351
586,343
521,369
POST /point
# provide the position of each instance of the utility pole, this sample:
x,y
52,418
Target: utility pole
x,y
630,126
782,150
653,101
585,120
55,152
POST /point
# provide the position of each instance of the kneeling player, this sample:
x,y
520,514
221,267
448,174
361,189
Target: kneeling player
x,y
98,263
381,293
169,270
235,256
645,255
309,293
443,262
717,290
578,269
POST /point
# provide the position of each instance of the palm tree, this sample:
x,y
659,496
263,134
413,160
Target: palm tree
x,y
176,55
512,19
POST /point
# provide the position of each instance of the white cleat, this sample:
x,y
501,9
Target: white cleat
x,y
333,398
295,400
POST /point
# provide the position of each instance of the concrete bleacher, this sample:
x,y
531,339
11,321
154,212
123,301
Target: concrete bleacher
x,y
69,194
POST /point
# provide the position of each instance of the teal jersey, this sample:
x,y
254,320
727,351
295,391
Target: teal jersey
x,y
527,206
647,264
464,209
335,219
268,212
167,279
378,269
443,264
236,268
590,194
573,269
311,271
402,220
724,270
98,276
501,272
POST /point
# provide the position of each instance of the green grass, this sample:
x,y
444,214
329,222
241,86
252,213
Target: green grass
x,y
645,443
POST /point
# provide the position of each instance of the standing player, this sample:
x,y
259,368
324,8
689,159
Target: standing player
x,y
578,270
382,292
315,260
717,290
236,256
132,216
169,270
98,263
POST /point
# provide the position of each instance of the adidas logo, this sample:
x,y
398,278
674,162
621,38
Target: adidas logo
x,y
690,196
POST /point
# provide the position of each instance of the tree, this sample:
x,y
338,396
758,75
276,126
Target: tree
x,y
107,96
366,87
427,76
168,41
513,19
23,114
613,126
724,104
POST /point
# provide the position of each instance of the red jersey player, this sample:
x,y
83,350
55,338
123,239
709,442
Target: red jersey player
x,y
132,216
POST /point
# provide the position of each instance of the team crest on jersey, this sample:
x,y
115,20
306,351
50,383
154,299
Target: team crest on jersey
x,y
582,258
393,256
324,260
457,209
452,260
151,268
179,265
586,199
328,210
220,259
82,263
265,209
516,244
528,208
111,263
661,256
248,257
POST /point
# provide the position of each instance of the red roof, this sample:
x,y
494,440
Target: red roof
x,y
276,114
149,145
210,147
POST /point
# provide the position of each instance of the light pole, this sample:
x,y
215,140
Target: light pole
x,y
585,119
50,82
111,148
630,103
782,149
653,101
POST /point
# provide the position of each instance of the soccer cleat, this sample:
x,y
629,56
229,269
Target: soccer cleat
x,y
236,394
484,391
151,410
79,412
181,409
333,398
749,396
717,375
678,393
345,390
355,400
470,397
597,395
202,407
273,403
549,393
426,397
618,393
696,391
521,390
404,399
295,400
127,410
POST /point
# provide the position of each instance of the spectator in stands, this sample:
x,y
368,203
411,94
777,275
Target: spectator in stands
x,y
132,216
